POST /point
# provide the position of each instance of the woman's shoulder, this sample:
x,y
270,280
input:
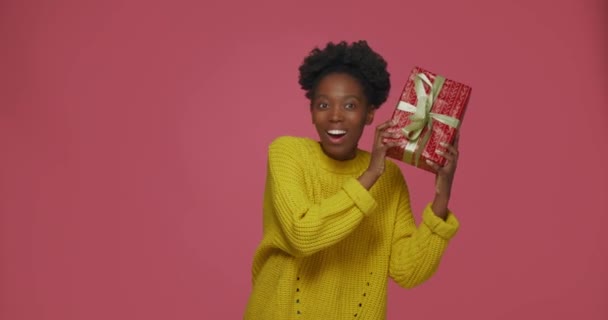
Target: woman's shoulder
x,y
291,143
292,146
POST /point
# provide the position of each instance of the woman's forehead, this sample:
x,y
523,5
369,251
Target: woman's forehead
x,y
339,84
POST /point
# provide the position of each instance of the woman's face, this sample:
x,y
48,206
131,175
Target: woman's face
x,y
339,111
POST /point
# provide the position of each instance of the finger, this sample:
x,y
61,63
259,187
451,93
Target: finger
x,y
457,139
386,146
379,136
451,149
394,135
385,125
392,144
383,134
433,165
449,156
383,149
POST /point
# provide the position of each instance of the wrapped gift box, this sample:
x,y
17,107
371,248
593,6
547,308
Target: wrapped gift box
x,y
430,111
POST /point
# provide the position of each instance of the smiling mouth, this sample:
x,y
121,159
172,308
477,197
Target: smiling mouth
x,y
336,136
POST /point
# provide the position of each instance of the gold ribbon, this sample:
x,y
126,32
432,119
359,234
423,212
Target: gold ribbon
x,y
422,117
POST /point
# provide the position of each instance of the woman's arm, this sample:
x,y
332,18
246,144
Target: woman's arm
x,y
416,251
306,226
444,178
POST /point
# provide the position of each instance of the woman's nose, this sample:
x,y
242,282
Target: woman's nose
x,y
336,114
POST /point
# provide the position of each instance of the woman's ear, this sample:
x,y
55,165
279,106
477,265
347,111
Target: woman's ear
x,y
369,118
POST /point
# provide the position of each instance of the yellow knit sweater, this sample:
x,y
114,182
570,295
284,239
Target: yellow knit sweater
x,y
329,245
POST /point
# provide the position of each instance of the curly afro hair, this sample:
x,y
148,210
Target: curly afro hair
x,y
356,59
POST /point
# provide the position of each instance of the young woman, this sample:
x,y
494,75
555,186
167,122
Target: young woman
x,y
337,220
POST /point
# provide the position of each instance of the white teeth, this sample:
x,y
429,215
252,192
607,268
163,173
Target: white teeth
x,y
336,131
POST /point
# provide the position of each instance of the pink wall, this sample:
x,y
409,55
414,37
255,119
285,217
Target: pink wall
x,y
133,139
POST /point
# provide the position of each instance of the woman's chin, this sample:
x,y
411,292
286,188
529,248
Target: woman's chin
x,y
339,152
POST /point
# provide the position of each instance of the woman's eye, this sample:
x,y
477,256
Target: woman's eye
x,y
349,106
323,105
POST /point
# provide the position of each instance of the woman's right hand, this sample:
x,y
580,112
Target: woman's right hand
x,y
378,158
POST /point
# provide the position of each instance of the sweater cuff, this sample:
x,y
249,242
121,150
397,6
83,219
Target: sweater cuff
x,y
360,196
445,229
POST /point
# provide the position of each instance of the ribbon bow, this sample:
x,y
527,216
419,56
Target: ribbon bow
x,y
422,116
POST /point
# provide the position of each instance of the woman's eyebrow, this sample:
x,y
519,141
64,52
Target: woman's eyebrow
x,y
352,96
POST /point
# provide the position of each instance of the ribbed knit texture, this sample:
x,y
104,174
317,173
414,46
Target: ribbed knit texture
x,y
329,245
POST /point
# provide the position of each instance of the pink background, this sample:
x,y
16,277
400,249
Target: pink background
x,y
133,143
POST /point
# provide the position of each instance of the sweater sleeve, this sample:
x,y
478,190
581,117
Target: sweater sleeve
x,y
305,226
416,252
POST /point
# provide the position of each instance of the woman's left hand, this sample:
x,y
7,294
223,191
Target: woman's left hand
x,y
445,174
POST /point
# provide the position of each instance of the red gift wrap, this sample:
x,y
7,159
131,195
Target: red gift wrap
x,y
430,111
